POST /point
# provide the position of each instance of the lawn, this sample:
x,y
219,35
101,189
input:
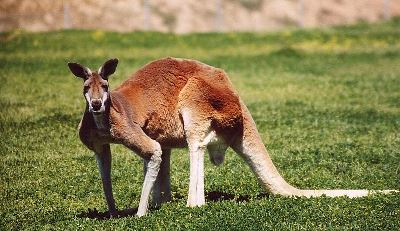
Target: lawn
x,y
326,103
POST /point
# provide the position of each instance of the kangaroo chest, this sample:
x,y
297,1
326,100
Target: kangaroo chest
x,y
100,122
101,129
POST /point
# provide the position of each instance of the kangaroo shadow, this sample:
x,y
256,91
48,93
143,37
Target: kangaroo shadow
x,y
215,196
94,214
212,196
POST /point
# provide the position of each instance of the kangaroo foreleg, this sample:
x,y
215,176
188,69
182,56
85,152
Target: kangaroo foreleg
x,y
103,157
150,151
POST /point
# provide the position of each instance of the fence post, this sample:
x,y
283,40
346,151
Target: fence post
x,y
146,14
218,23
67,16
386,8
300,20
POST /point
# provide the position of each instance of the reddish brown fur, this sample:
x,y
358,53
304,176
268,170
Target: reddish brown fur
x,y
153,96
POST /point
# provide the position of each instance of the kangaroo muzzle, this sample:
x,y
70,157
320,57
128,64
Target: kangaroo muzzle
x,y
96,105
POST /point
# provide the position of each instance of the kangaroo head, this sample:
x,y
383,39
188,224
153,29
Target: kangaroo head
x,y
95,86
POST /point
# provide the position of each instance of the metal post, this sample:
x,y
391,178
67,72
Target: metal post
x,y
67,16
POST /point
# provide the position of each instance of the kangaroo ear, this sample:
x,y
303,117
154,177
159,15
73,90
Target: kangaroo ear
x,y
79,70
108,68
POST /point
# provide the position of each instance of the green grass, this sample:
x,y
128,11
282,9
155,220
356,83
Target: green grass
x,y
326,103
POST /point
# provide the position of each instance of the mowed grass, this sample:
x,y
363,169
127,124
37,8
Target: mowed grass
x,y
326,103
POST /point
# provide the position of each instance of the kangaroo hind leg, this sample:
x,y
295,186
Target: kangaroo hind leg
x,y
162,187
198,135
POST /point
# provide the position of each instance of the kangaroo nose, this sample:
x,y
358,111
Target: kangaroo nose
x,y
96,104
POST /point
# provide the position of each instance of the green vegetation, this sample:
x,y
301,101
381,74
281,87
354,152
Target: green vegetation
x,y
326,103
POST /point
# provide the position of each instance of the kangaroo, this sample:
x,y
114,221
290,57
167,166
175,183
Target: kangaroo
x,y
174,103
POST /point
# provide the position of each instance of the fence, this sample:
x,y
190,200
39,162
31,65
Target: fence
x,y
219,15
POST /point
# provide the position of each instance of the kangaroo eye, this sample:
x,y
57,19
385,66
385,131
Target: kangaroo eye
x,y
86,88
104,86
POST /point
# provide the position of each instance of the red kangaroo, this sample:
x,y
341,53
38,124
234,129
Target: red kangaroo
x,y
175,103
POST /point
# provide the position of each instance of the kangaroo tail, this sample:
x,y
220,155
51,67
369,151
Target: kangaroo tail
x,y
249,145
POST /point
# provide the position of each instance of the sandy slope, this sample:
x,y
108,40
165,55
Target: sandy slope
x,y
183,16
